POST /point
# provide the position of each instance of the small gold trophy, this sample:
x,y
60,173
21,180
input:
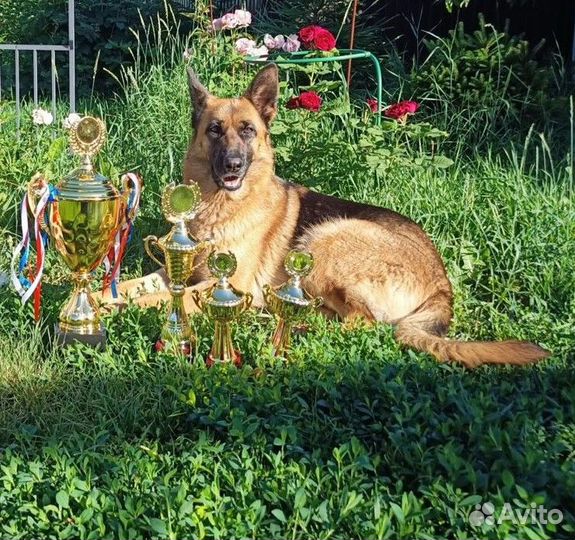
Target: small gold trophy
x,y
83,217
290,302
224,304
179,205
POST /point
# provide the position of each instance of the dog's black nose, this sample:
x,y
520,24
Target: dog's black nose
x,y
233,164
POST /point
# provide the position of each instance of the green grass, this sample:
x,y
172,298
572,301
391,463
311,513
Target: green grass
x,y
355,437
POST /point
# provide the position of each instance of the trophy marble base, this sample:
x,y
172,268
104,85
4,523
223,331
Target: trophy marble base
x,y
181,347
237,360
69,337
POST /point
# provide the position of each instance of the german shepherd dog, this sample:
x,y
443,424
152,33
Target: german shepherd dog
x,y
370,263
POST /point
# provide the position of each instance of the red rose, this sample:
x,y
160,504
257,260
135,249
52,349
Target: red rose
x,y
400,111
306,100
373,105
316,37
159,345
293,103
324,40
307,33
310,101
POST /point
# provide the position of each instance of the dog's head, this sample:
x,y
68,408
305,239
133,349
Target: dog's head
x,y
231,147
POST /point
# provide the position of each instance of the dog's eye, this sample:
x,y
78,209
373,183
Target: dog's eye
x,y
248,131
215,129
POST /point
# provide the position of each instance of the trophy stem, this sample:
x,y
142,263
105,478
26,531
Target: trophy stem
x,y
222,348
281,340
87,166
177,332
80,319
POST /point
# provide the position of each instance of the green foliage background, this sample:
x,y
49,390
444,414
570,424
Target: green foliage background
x,y
103,36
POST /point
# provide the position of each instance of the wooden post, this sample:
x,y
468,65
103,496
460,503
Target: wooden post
x,y
351,40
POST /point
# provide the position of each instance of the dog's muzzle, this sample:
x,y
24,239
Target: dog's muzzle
x,y
229,181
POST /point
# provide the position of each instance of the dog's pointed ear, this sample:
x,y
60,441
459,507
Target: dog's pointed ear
x,y
199,96
263,92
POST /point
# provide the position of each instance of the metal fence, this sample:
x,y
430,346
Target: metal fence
x,y
19,49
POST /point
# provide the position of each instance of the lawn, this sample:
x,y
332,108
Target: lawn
x,y
355,437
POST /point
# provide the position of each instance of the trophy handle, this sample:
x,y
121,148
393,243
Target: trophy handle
x,y
197,298
131,183
248,299
267,290
150,241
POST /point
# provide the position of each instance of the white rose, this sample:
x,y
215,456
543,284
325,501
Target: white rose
x,y
71,120
41,117
243,18
258,51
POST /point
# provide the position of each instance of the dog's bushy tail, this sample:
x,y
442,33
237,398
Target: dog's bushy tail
x,y
470,353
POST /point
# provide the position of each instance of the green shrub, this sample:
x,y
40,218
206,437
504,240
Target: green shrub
x,y
487,72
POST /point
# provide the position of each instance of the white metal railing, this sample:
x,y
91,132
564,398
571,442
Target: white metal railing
x,y
53,49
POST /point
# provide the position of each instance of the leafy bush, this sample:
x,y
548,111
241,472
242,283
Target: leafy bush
x,y
487,72
103,36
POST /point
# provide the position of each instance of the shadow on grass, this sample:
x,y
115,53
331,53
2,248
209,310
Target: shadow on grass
x,y
415,421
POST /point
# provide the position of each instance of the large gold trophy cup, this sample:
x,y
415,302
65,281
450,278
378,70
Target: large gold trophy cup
x,y
179,250
223,303
290,302
82,222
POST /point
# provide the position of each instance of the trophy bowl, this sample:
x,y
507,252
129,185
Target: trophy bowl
x,y
179,250
82,221
223,304
290,302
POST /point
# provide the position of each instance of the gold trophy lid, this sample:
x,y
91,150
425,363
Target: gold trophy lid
x,y
180,204
297,264
223,266
87,137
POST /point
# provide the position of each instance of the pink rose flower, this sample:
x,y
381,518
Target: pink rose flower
x,y
245,45
217,24
274,43
292,43
243,18
229,20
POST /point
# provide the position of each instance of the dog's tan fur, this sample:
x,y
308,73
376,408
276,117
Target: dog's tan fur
x,y
370,262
